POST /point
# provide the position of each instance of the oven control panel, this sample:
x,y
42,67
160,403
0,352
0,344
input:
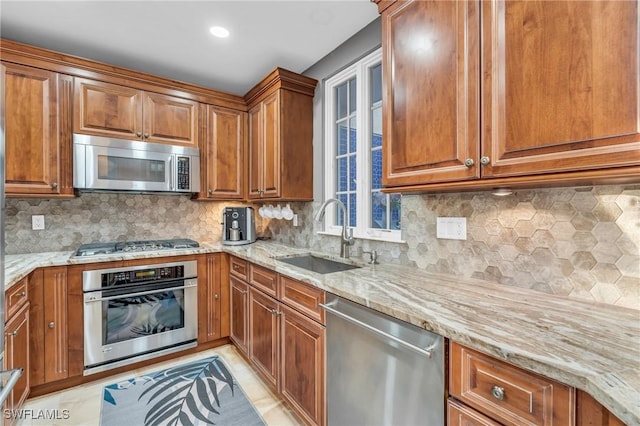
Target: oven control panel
x,y
105,278
110,279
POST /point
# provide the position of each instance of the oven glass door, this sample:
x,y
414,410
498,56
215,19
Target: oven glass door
x,y
130,317
125,169
122,323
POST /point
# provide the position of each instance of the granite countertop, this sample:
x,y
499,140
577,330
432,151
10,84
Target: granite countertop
x,y
594,347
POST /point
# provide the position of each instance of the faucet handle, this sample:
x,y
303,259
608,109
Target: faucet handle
x,y
373,257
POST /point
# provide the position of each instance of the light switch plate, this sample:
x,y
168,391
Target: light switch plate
x,y
451,228
37,222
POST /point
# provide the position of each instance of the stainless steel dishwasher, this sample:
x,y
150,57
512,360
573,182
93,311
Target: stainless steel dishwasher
x,y
380,370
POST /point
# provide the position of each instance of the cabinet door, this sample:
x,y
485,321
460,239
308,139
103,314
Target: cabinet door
x,y
239,301
254,152
302,351
431,84
106,109
590,412
37,137
55,318
170,120
263,335
271,146
213,299
224,144
561,88
264,148
16,355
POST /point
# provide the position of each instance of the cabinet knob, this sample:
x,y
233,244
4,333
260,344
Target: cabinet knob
x,y
209,191
497,392
485,160
216,296
275,312
13,333
139,134
54,185
146,135
469,162
244,292
52,324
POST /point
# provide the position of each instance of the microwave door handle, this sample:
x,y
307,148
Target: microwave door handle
x,y
171,173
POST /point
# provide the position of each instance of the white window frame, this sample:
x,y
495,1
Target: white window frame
x,y
360,70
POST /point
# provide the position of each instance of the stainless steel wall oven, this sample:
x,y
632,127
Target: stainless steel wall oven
x,y
139,312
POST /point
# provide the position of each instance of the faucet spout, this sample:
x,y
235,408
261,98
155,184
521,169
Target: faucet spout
x,y
347,233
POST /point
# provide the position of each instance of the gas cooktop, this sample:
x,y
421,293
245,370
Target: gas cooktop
x,y
95,249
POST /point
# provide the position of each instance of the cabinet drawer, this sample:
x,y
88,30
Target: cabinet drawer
x,y
303,297
461,415
238,267
264,279
506,393
15,297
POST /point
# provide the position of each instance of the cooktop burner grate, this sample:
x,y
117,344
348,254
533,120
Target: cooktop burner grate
x,y
95,249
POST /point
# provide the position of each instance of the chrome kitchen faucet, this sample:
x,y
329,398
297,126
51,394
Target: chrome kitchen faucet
x,y
347,233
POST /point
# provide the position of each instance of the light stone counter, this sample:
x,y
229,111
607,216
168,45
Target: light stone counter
x,y
594,347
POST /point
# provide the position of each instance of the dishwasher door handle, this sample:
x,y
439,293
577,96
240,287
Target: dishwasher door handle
x,y
424,352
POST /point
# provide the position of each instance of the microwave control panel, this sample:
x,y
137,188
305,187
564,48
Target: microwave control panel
x,y
183,173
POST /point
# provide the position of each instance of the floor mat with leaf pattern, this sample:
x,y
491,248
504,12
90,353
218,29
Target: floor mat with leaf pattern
x,y
198,393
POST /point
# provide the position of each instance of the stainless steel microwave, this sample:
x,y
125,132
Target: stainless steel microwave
x,y
106,164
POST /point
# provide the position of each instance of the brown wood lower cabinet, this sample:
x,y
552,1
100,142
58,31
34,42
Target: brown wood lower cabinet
x,y
591,413
213,298
239,297
460,415
263,335
508,394
48,338
283,335
487,391
16,354
302,364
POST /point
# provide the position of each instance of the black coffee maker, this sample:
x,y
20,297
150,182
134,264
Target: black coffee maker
x,y
238,226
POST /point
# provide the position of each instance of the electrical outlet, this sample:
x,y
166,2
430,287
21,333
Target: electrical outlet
x,y
37,222
295,220
451,228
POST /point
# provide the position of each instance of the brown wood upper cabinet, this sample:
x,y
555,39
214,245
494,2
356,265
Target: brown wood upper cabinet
x,y
37,132
280,151
111,110
223,141
500,93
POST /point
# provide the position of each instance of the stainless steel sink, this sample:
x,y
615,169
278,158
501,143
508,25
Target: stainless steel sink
x,y
317,264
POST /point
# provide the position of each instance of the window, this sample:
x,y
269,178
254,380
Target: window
x,y
353,153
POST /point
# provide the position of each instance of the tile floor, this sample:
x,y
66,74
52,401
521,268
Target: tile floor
x,y
83,402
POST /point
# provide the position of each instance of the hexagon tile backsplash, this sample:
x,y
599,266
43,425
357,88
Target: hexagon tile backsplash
x,y
576,242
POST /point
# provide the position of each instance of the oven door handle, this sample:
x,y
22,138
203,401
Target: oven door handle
x,y
90,298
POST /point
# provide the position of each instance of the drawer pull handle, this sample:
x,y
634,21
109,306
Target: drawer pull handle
x,y
497,392
21,294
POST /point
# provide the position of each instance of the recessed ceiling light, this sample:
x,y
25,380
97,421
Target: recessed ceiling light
x,y
220,32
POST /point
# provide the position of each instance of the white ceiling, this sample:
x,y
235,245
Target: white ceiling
x,y
172,39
